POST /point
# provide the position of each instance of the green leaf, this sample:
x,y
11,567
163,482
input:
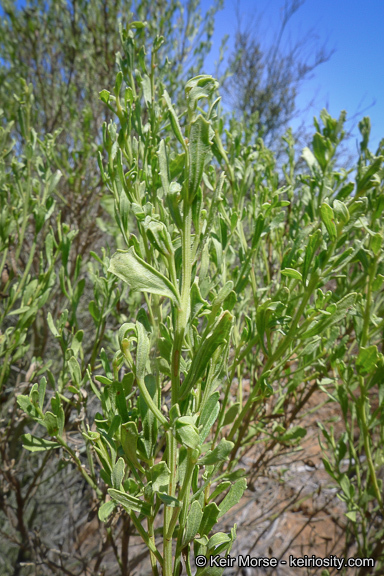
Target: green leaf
x,y
26,405
198,148
219,489
292,273
164,168
351,515
341,211
233,497
363,181
208,415
259,227
217,539
367,360
51,424
149,421
160,475
75,371
34,444
130,503
169,500
376,243
129,437
104,96
142,351
210,516
52,326
218,336
309,158
139,275
328,218
121,403
106,510
197,302
201,86
174,120
194,518
323,149
118,472
313,244
231,413
186,432
218,454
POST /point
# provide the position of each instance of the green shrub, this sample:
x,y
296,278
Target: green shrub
x,y
238,271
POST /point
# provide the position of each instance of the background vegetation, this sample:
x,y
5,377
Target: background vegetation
x,y
289,245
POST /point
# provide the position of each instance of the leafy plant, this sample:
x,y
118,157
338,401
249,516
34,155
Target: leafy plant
x,y
239,290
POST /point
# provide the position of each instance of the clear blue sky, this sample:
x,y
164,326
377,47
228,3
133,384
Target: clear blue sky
x,y
353,77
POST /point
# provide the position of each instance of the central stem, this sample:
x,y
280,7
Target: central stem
x,y
181,324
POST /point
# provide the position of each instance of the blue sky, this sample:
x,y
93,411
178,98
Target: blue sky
x,y
352,79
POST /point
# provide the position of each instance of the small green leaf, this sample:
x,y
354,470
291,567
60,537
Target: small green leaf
x,y
142,352
51,424
130,503
139,275
106,510
194,518
367,360
34,444
231,413
376,243
217,336
233,497
328,218
118,472
199,146
208,415
169,500
292,273
210,515
351,515
147,442
52,326
217,539
310,159
313,244
219,489
26,405
104,96
160,475
19,311
75,371
186,433
218,454
341,211
174,120
129,437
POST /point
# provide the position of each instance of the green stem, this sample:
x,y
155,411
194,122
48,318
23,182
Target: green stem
x,y
145,538
367,446
150,403
183,310
172,465
184,499
151,535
